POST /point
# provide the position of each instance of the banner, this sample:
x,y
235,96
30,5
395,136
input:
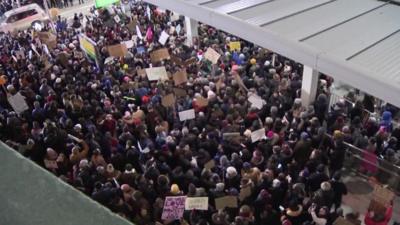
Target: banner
x,y
174,207
187,115
157,73
197,203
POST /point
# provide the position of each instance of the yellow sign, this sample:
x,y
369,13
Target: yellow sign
x,y
87,46
234,45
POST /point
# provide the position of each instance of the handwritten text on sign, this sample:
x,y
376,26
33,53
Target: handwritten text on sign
x,y
173,208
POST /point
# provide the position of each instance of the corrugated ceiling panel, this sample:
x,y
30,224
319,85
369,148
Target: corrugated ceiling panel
x,y
218,3
302,25
349,38
383,58
263,9
239,5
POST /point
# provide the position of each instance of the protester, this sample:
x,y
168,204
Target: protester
x,y
106,129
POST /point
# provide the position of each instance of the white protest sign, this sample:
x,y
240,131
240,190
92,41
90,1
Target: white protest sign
x,y
198,203
18,103
148,12
138,32
163,38
157,73
178,28
117,19
174,17
258,135
256,101
212,55
186,115
174,207
129,44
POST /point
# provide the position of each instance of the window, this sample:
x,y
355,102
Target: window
x,y
20,16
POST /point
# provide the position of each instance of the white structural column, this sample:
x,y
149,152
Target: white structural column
x,y
309,85
191,27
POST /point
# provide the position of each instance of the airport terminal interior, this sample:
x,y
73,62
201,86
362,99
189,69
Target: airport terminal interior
x,y
200,112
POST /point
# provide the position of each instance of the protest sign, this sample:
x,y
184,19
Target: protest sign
x,y
129,44
18,103
177,60
178,29
234,45
156,73
174,208
189,61
197,203
382,195
342,221
168,100
258,135
174,17
179,92
20,54
141,73
210,164
132,26
186,115
118,50
227,201
180,77
239,81
88,46
48,38
163,38
212,55
230,136
256,101
54,12
202,102
159,55
117,19
138,32
244,193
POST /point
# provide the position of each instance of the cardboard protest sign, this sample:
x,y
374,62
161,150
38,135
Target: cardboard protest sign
x,y
141,73
244,193
156,73
175,59
342,221
180,77
256,101
210,164
159,55
54,12
212,55
227,201
189,61
258,135
168,100
163,38
132,26
174,208
48,38
234,45
179,92
18,103
187,115
117,19
377,207
118,50
382,195
239,81
202,102
230,136
197,203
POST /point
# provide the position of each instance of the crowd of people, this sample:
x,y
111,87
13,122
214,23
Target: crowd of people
x,y
104,130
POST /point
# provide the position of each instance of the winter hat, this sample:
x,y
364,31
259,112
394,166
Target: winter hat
x,y
110,168
83,163
231,172
337,134
276,183
253,61
325,186
220,187
175,189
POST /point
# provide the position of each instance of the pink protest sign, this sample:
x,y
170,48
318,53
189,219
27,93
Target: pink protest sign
x,y
173,208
